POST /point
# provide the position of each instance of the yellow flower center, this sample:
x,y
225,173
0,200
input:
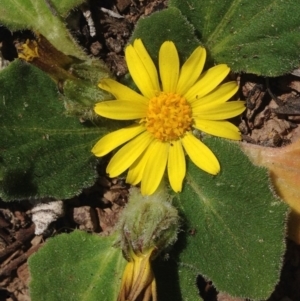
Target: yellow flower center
x,y
169,116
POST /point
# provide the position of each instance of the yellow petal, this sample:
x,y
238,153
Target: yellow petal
x,y
141,69
219,112
224,129
219,95
155,166
121,109
125,157
176,165
200,154
147,61
168,66
136,170
115,139
120,91
191,70
208,81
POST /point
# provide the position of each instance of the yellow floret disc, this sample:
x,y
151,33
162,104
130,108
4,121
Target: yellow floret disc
x,y
169,116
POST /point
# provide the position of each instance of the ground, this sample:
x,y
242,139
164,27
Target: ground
x,y
271,119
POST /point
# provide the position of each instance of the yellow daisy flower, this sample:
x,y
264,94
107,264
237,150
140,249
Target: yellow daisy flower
x,y
170,105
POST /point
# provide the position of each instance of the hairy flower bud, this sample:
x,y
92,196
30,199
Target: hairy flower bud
x,y
149,224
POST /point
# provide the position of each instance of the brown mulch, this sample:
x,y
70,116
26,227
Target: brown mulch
x,y
271,119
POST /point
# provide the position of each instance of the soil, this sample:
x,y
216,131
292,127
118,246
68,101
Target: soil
x,y
271,119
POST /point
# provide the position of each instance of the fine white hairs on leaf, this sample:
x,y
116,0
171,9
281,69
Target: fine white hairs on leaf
x,y
43,214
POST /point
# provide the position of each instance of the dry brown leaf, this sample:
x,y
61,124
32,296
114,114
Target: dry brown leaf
x,y
284,166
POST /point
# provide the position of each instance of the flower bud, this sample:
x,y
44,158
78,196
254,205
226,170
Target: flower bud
x,y
148,222
148,225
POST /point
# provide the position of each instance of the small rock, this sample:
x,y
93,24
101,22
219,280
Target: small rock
x,y
43,214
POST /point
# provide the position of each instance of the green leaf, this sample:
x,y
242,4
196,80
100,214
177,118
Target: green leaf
x,y
39,16
235,226
76,266
260,37
187,276
63,7
44,153
168,24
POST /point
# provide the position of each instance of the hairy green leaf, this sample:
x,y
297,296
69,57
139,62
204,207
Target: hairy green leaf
x,y
187,276
235,225
41,17
76,266
260,37
63,7
168,24
44,153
